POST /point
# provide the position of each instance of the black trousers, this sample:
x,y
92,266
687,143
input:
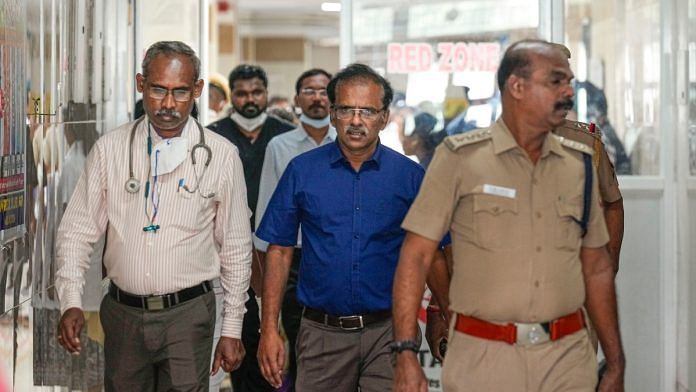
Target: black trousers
x,y
291,315
248,377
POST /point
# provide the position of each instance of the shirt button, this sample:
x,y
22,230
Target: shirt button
x,y
355,236
535,181
496,209
538,215
538,248
357,208
536,283
147,275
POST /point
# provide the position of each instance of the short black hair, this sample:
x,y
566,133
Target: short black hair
x,y
246,72
360,72
517,59
308,74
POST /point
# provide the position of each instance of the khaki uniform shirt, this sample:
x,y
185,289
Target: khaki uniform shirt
x,y
606,175
515,241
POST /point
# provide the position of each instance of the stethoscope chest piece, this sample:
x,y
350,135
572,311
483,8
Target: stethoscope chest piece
x,y
132,185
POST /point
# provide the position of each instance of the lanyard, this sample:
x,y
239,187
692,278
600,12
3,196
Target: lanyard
x,y
152,227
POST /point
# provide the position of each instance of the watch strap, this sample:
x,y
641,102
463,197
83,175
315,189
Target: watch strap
x,y
403,345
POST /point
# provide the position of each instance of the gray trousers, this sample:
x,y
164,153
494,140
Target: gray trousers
x,y
331,359
164,350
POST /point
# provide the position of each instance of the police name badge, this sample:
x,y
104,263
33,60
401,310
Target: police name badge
x,y
499,191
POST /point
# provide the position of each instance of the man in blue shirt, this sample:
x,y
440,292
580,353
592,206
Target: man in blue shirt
x,y
314,131
350,198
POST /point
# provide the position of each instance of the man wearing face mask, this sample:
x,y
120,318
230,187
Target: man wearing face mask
x,y
250,129
172,197
314,130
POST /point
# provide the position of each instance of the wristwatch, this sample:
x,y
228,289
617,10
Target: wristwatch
x,y
402,345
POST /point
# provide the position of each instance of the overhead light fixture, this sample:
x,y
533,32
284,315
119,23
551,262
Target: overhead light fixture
x,y
331,6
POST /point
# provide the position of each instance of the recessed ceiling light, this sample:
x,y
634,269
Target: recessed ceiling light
x,y
331,6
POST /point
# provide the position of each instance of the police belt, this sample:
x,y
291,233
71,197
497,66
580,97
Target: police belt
x,y
522,334
347,323
158,302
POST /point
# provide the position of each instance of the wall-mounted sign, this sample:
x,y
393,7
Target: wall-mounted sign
x,y
444,57
12,119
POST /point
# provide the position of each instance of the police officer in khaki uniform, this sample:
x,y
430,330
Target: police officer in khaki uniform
x,y
437,328
528,238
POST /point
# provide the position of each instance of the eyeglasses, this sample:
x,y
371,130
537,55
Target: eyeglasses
x,y
369,114
180,95
309,92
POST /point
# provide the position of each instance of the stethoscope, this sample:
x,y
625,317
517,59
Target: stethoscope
x,y
133,184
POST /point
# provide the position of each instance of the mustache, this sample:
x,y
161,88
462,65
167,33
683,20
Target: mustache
x,y
252,106
353,129
317,105
168,112
567,104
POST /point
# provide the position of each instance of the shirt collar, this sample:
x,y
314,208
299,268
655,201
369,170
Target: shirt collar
x,y
502,137
552,144
336,155
504,141
329,137
156,138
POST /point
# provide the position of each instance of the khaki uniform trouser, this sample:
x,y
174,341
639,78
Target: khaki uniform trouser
x,y
475,364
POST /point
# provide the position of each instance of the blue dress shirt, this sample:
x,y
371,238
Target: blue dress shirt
x,y
280,151
351,225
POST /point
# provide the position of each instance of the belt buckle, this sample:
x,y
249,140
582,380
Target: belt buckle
x,y
345,318
155,303
531,334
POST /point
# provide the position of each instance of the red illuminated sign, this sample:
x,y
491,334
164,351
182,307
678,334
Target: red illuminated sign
x,y
449,57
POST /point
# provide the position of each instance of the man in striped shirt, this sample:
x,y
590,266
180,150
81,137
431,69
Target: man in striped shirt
x,y
172,199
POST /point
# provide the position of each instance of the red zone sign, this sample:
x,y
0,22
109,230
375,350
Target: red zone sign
x,y
448,56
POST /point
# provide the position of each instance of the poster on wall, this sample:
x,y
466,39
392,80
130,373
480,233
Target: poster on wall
x,y
12,120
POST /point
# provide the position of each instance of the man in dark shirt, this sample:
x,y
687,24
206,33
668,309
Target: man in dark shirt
x,y
250,129
350,198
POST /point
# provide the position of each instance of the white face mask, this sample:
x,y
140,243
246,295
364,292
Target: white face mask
x,y
314,122
168,154
248,124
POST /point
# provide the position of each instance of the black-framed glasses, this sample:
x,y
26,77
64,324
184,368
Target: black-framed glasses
x,y
369,114
160,93
310,92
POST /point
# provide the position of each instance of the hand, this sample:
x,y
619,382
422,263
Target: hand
x,y
408,375
435,330
69,330
612,381
228,355
271,357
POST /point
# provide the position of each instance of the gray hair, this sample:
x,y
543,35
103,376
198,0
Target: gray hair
x,y
171,48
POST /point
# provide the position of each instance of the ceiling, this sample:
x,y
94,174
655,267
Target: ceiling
x,y
288,18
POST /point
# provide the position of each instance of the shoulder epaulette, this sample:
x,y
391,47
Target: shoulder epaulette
x,y
457,141
590,129
575,145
